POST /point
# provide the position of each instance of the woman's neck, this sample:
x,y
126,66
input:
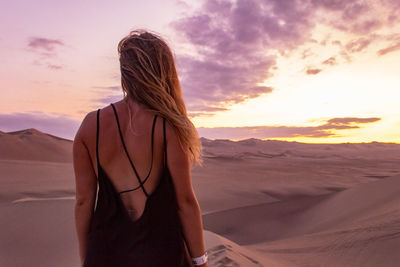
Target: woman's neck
x,y
133,105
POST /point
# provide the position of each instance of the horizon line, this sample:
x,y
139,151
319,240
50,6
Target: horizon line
x,y
224,139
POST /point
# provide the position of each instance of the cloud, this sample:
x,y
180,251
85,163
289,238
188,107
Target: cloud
x,y
354,15
204,111
200,114
214,83
355,45
234,44
113,88
106,95
208,108
358,45
347,120
106,100
389,49
49,45
366,26
46,64
306,53
58,124
54,67
311,71
181,4
45,49
330,61
327,129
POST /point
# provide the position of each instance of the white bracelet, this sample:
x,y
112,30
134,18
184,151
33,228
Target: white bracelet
x,y
200,260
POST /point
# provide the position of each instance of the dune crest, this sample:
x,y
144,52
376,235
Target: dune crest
x,y
32,144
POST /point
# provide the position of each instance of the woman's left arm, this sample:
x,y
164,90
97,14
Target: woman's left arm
x,y
86,187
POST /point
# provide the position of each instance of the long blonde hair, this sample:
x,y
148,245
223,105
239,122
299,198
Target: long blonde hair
x,y
149,77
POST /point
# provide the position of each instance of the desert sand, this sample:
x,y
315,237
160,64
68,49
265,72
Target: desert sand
x,y
264,203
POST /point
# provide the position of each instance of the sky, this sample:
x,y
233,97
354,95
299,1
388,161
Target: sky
x,y
313,71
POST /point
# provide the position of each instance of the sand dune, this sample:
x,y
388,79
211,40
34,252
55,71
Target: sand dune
x,y
233,177
43,232
260,222
370,202
264,203
31,144
223,252
305,215
357,227
27,178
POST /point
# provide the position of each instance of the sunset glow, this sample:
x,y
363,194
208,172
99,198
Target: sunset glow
x,y
308,71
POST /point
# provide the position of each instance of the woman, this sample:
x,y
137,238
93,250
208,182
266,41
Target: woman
x,y
139,150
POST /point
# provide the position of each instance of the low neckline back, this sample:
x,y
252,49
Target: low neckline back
x,y
115,239
103,174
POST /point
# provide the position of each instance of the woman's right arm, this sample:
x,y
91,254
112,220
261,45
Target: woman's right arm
x,y
178,162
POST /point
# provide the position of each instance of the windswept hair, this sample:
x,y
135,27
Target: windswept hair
x,y
149,77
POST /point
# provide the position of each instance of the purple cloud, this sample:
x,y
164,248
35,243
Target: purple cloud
x,y
200,114
352,47
231,37
233,42
181,4
355,15
113,88
46,64
236,43
208,108
106,95
358,45
325,130
106,100
45,49
54,67
204,111
39,43
366,26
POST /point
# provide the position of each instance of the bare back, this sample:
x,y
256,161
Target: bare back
x,y
126,166
137,212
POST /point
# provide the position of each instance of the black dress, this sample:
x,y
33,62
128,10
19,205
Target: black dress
x,y
154,239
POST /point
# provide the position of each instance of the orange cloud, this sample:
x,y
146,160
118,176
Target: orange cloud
x,y
325,130
389,49
313,71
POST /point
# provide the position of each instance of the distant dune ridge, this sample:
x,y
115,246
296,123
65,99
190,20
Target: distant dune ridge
x,y
31,144
264,203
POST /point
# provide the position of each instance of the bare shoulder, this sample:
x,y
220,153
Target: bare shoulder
x,y
173,143
169,131
87,127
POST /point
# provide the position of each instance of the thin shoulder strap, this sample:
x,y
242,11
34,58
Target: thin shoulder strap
x,y
165,144
151,166
97,138
127,154
126,151
152,147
